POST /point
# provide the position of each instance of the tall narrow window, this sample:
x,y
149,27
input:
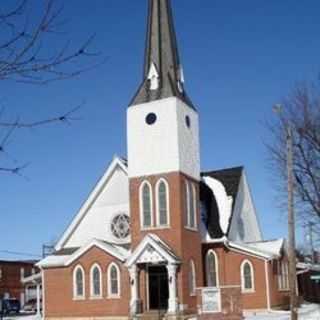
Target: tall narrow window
x,y
162,203
191,205
113,281
247,276
78,283
283,275
192,278
146,205
212,269
95,281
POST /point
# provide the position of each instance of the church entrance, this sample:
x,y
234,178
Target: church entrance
x,y
158,288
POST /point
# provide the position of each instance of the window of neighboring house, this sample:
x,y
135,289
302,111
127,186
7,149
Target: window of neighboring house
x,y
78,283
191,205
212,269
21,273
95,281
146,205
192,278
113,281
162,192
247,276
283,275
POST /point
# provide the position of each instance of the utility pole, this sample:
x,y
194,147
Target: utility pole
x,y
291,227
291,217
311,241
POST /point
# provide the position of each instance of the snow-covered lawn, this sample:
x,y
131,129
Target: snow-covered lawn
x,y
306,312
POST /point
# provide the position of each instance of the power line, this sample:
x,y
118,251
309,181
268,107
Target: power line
x,y
16,253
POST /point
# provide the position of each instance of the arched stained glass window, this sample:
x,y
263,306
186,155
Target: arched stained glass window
x,y
78,283
96,281
163,203
146,205
212,269
113,281
247,276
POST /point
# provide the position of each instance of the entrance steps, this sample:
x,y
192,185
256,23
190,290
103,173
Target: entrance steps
x,y
162,315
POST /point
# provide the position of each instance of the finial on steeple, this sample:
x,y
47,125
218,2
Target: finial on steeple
x,y
163,73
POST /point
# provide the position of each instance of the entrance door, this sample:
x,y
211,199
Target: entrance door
x,y
158,288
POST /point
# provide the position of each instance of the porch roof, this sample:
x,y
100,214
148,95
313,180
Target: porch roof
x,y
152,249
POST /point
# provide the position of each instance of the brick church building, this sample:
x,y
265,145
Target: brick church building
x,y
156,230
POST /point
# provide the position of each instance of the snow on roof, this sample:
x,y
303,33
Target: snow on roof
x,y
308,266
273,247
265,249
117,251
52,261
224,201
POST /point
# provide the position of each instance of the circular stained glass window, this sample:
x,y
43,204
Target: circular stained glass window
x,y
151,118
120,226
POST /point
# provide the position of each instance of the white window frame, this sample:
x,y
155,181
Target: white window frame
x,y
190,191
212,252
75,284
192,278
283,275
109,284
141,205
92,294
162,180
243,288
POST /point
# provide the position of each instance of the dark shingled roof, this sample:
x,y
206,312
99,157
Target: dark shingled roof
x,y
230,178
162,51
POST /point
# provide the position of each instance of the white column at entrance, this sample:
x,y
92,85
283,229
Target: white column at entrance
x,y
173,300
38,299
134,284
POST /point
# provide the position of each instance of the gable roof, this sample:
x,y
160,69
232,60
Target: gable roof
x,y
116,162
153,241
230,178
67,257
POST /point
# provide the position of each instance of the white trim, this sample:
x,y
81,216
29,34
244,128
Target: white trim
x,y
162,180
75,284
92,295
116,162
195,206
266,269
243,289
192,273
162,248
109,284
211,251
253,251
141,205
187,209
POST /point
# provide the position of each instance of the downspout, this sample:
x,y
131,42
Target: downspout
x,y
267,284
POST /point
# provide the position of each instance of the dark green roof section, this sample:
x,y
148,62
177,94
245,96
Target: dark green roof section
x,y
161,51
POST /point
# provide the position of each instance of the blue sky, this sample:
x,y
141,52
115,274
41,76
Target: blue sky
x,y
239,57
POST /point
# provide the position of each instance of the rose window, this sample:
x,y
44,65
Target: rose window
x,y
120,226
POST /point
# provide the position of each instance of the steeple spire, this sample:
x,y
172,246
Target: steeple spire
x,y
163,73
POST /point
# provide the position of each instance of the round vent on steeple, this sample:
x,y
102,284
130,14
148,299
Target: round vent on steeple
x,y
151,118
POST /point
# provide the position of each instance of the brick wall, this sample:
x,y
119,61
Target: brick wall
x,y
10,281
185,243
229,274
58,295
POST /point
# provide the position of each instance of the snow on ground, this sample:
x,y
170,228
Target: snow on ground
x,y
306,312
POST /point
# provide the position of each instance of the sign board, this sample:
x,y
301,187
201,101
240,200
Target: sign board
x,y
211,300
316,277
